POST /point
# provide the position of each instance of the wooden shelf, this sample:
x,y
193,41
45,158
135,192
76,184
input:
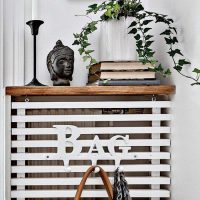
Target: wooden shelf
x,y
90,90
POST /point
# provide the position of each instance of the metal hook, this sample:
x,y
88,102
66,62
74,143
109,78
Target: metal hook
x,y
96,170
120,169
26,99
153,97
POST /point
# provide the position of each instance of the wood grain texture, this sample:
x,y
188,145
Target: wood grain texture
x,y
90,90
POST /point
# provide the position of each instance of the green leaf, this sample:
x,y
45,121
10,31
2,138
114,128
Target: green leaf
x,y
89,51
167,72
143,61
139,8
182,62
134,23
85,44
88,66
196,70
166,32
81,50
178,68
140,42
159,68
159,19
133,31
116,7
93,23
172,53
85,37
147,29
145,22
140,53
105,82
88,31
148,37
150,53
153,62
76,35
174,40
170,20
93,61
93,6
137,37
108,13
85,58
148,43
168,41
76,42
92,26
141,16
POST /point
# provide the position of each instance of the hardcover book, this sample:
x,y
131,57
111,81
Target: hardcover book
x,y
127,82
128,75
118,66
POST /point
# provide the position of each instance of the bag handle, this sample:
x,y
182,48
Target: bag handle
x,y
104,178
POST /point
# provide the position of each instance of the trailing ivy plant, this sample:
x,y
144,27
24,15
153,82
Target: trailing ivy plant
x,y
141,30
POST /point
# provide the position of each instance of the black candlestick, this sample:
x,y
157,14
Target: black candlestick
x,y
34,25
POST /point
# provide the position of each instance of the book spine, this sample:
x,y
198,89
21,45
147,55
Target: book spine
x,y
129,65
128,82
127,75
123,67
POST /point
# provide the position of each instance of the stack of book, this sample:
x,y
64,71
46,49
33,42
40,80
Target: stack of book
x,y
121,74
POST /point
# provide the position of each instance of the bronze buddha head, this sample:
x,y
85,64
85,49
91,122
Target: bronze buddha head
x,y
60,63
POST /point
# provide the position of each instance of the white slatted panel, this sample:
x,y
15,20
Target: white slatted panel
x,y
90,181
107,168
102,104
50,143
97,130
88,118
84,156
45,173
86,193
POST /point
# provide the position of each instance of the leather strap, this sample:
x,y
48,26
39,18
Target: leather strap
x,y
104,178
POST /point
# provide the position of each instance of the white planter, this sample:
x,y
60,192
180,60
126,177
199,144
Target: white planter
x,y
115,42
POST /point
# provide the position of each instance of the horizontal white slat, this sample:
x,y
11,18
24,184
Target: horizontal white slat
x,y
97,130
100,104
84,156
79,118
83,168
86,143
86,193
90,181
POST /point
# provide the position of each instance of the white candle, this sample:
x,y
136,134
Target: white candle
x,y
34,9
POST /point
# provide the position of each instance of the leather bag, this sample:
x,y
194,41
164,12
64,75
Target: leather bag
x,y
104,178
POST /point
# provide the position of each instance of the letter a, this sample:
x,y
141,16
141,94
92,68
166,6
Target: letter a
x,y
96,146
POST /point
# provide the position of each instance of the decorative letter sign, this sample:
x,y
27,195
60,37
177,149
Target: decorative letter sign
x,y
68,136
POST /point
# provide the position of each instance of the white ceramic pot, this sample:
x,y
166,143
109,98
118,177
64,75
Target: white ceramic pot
x,y
115,42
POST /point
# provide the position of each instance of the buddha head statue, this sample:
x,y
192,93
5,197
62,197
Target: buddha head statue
x,y
60,63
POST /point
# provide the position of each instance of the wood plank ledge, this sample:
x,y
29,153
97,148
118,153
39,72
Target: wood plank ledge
x,y
89,90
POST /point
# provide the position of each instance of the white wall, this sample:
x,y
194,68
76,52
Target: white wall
x,y
186,126
2,124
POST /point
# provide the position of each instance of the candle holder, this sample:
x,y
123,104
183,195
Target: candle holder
x,y
34,25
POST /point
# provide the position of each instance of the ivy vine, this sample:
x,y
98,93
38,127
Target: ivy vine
x,y
141,30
